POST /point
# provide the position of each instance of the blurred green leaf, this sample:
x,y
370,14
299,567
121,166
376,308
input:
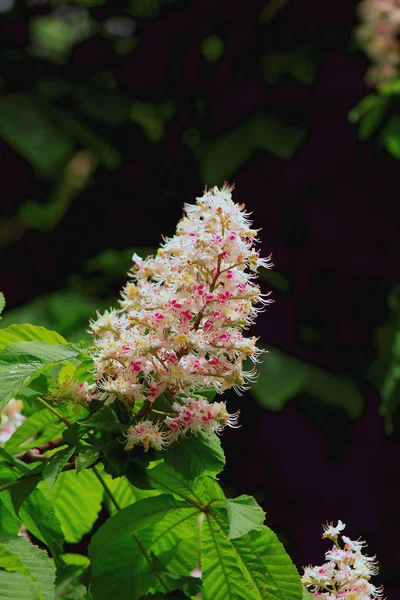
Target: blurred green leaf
x,y
106,105
2,303
222,158
301,64
391,136
49,311
212,48
116,262
384,372
145,9
282,377
26,128
152,117
107,154
390,87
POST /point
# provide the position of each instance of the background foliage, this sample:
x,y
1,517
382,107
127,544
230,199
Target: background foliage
x,y
112,115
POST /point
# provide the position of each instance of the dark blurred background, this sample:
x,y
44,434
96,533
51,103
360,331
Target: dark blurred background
x,y
113,114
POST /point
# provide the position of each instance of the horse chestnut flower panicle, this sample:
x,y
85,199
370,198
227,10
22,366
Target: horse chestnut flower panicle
x,y
347,572
181,324
10,419
378,34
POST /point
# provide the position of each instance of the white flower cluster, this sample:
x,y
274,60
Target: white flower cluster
x,y
73,391
181,322
11,419
347,572
379,35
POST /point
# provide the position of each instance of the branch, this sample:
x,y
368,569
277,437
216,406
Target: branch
x,y
35,454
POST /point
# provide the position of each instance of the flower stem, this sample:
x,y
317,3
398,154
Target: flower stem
x,y
106,488
54,411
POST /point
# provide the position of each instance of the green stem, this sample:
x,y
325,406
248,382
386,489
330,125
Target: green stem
x,y
161,412
11,484
106,488
135,537
54,411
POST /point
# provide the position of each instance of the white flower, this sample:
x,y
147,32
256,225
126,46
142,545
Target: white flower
x,y
148,434
11,419
330,531
346,573
181,325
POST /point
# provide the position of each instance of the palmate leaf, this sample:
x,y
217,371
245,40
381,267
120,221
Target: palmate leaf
x,y
9,522
29,333
39,517
16,586
34,562
282,377
55,465
254,566
76,500
2,302
22,362
41,421
169,481
195,455
124,493
244,515
131,537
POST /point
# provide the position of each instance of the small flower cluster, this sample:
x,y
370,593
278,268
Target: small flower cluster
x,y
180,326
379,35
73,391
11,419
347,572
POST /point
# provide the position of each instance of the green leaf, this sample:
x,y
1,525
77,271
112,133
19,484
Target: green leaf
x,y
195,455
21,466
36,562
22,490
362,108
107,154
244,515
9,522
254,566
222,158
33,426
391,136
83,492
2,302
22,362
372,120
149,527
76,560
212,48
169,481
39,517
85,459
307,595
29,333
124,493
16,586
11,562
38,387
25,126
55,465
282,377
104,419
